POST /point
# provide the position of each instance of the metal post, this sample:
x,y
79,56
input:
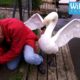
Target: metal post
x,y
29,7
57,5
14,9
20,9
30,3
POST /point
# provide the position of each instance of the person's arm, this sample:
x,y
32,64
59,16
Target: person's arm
x,y
28,49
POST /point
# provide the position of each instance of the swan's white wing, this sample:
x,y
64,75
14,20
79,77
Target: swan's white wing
x,y
69,31
34,22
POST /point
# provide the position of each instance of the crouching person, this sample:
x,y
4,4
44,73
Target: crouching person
x,y
17,39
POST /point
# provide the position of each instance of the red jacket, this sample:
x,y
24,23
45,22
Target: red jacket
x,y
16,35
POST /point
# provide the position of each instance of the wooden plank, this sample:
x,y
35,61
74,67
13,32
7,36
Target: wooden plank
x,y
30,72
33,73
43,76
60,67
51,73
68,63
64,69
52,69
26,72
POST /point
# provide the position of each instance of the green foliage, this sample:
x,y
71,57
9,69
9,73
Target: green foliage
x,y
9,3
6,3
2,16
36,32
16,77
36,4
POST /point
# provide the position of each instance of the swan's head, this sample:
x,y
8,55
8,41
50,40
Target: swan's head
x,y
51,17
47,46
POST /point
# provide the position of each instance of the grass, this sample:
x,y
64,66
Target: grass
x,y
6,2
16,77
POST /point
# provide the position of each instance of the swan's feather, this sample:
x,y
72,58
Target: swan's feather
x,y
34,22
47,45
68,32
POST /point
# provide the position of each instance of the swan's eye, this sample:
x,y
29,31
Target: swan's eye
x,y
43,28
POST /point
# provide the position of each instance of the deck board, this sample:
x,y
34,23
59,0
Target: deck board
x,y
69,64
52,70
69,68
33,73
60,66
64,69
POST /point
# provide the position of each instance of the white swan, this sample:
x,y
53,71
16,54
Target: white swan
x,y
50,44
45,42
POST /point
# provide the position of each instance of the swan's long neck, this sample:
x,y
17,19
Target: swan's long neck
x,y
49,29
51,19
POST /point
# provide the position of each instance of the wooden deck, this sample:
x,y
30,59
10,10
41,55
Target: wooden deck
x,y
64,69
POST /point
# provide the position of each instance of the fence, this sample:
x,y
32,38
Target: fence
x,y
14,8
23,8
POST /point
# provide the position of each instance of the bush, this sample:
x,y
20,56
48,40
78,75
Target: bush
x,y
2,16
36,4
8,3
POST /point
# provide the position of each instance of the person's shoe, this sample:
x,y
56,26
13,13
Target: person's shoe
x,y
41,68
